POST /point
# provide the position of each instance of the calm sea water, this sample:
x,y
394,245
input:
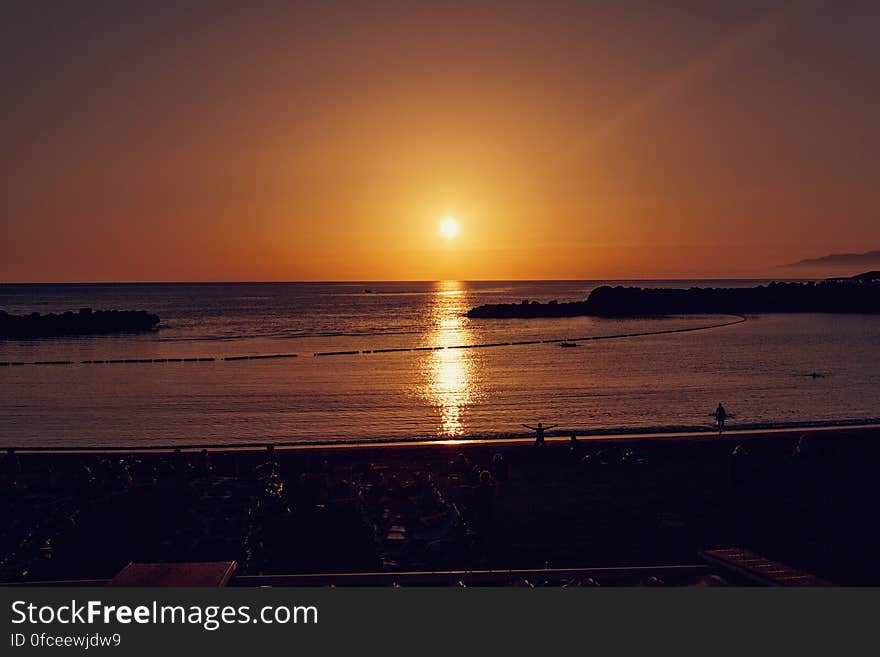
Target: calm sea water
x,y
757,368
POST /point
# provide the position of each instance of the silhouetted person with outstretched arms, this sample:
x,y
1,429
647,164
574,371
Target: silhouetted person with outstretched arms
x,y
539,432
720,417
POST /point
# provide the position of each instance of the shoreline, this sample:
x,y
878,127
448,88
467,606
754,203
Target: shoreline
x,y
621,435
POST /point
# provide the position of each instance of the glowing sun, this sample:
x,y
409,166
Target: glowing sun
x,y
449,228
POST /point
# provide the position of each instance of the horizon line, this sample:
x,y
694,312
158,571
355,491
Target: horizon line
x,y
411,280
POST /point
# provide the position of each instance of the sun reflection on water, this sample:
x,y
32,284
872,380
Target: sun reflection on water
x,y
449,382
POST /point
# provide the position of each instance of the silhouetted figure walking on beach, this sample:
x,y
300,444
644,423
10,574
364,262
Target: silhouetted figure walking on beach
x,y
539,432
720,417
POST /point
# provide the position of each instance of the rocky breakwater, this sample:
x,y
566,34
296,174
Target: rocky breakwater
x,y
84,322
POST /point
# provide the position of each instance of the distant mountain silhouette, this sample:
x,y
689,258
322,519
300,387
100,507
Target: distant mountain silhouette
x,y
839,260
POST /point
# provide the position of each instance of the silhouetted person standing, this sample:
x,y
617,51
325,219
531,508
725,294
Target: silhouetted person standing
x,y
720,417
539,432
205,462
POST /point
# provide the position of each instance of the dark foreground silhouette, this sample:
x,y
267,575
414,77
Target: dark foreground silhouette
x,y
85,322
832,296
807,499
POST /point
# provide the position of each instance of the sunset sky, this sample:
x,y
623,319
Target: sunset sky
x,y
327,141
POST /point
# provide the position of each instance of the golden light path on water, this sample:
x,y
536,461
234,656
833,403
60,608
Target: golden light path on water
x,y
448,375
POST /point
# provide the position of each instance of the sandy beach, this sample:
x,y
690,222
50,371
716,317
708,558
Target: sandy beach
x,y
802,497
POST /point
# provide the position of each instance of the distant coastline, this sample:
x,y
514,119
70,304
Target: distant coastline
x,y
859,294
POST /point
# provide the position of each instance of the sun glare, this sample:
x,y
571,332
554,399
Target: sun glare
x,y
449,228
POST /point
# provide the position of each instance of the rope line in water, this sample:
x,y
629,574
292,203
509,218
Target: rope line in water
x,y
129,361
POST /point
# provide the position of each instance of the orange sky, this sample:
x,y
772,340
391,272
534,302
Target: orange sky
x,y
571,140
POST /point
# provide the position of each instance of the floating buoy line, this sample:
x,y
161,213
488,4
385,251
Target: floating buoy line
x,y
355,352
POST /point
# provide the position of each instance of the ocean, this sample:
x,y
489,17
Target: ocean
x,y
438,382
